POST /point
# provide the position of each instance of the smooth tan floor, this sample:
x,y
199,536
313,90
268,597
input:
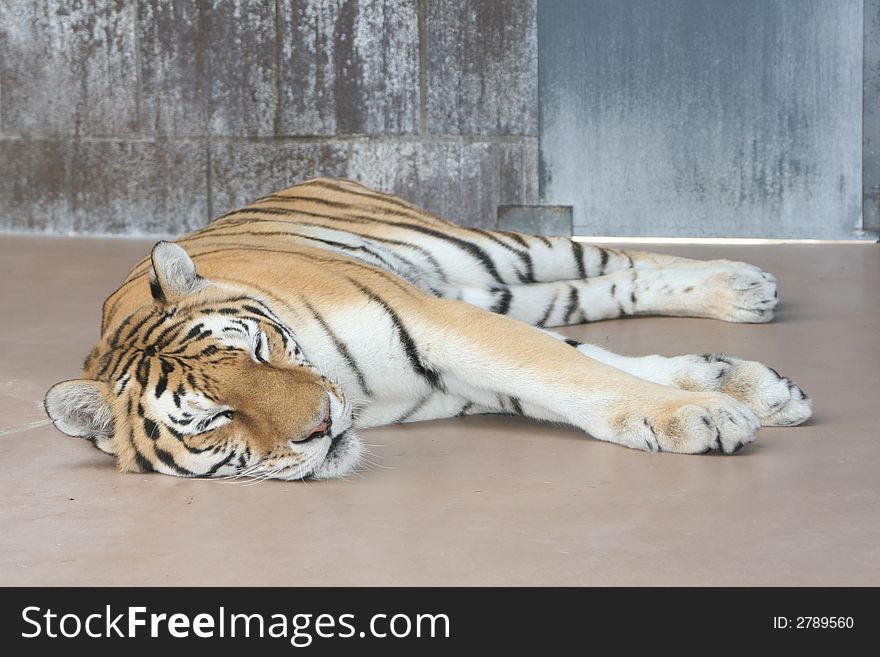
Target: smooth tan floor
x,y
466,501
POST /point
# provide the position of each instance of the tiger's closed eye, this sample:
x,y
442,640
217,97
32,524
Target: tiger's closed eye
x,y
215,421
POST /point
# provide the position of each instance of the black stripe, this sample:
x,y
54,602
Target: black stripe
x,y
465,409
409,345
412,411
162,384
572,304
151,429
168,335
136,328
184,421
142,373
153,327
577,252
110,362
312,199
341,348
547,312
168,460
220,464
125,322
182,439
529,275
603,260
502,305
193,332
278,212
257,311
516,237
524,277
779,377
180,392
653,433
105,361
156,290
143,464
517,408
210,350
122,369
544,240
142,461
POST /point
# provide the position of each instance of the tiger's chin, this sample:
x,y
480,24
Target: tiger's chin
x,y
342,457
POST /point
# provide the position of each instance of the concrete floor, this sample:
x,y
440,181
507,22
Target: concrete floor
x,y
467,501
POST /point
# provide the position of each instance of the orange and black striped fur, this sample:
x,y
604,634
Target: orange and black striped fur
x,y
259,345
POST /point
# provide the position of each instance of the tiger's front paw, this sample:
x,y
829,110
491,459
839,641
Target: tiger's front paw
x,y
694,423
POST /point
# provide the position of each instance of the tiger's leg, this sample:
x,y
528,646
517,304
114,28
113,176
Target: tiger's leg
x,y
730,295
534,258
479,352
775,399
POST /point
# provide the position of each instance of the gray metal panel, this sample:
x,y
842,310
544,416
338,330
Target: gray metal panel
x,y
703,117
871,117
552,220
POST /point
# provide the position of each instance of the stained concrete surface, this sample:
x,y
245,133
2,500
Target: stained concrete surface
x,y
477,501
215,103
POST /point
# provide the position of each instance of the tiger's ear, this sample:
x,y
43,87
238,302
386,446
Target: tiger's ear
x,y
80,408
174,273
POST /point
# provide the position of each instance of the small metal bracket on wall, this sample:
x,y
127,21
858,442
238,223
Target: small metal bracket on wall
x,y
549,220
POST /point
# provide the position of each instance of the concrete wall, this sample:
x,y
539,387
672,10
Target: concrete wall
x,y
155,116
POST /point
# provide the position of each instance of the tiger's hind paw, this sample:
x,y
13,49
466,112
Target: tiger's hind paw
x,y
745,295
775,399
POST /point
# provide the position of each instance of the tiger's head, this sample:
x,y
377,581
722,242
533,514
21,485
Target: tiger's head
x,y
206,381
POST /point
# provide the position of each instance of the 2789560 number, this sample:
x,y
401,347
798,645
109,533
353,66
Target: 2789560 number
x,y
824,622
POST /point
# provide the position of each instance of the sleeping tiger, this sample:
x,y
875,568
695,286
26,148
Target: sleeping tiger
x,y
258,345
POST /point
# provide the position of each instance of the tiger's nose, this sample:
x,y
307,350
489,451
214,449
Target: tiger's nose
x,y
322,428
